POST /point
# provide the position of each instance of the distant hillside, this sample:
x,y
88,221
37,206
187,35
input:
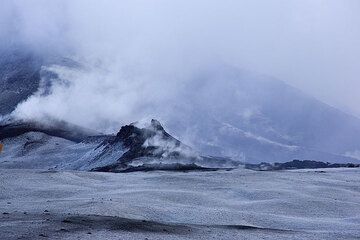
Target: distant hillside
x,y
223,112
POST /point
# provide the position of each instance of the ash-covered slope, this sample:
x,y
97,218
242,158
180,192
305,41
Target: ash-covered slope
x,y
152,148
53,128
257,118
221,112
53,145
64,146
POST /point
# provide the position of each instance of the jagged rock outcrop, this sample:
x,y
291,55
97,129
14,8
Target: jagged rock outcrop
x,y
149,144
151,141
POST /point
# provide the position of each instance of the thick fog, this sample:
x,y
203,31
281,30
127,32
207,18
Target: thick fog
x,y
138,56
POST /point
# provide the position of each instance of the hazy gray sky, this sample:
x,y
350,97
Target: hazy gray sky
x,y
311,44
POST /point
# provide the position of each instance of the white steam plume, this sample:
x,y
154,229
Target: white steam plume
x,y
140,56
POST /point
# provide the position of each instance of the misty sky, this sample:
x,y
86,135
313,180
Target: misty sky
x,y
311,44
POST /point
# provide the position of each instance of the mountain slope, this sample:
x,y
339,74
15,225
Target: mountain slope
x,y
23,72
67,147
223,111
260,119
19,78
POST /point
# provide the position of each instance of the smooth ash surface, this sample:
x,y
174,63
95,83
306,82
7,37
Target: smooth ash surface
x,y
238,204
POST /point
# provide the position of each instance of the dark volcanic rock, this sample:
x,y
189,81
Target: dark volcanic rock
x,y
19,78
176,167
298,164
23,73
135,140
54,128
152,148
140,143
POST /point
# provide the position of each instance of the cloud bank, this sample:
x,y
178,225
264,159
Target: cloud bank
x,y
139,56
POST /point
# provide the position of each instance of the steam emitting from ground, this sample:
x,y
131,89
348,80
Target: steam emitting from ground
x,y
138,57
